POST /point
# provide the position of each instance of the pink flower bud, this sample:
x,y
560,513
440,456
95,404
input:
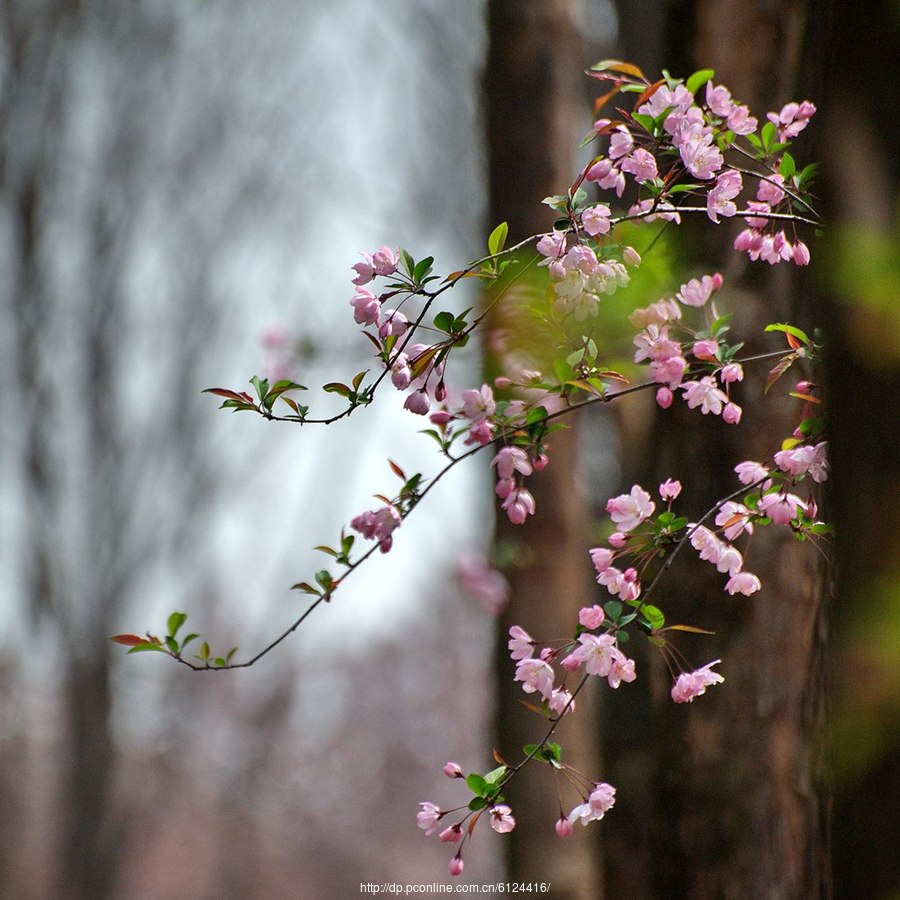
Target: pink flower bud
x,y
418,403
705,350
617,540
456,866
731,373
631,256
591,617
453,770
800,254
440,418
440,392
563,827
451,835
731,413
669,489
664,398
501,382
539,463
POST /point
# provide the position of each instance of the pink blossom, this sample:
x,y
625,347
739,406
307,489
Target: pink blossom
x,y
401,374
428,817
659,313
595,219
792,119
749,240
552,246
734,519
705,350
702,158
800,254
600,801
510,460
802,459
664,398
478,404
641,164
536,676
689,685
720,199
680,98
385,261
456,866
484,583
718,99
617,540
378,525
622,669
621,142
453,770
730,373
740,121
770,190
481,432
366,308
561,702
669,371
749,472
697,291
602,558
631,257
365,270
518,505
729,560
742,583
654,343
629,510
605,174
669,489
706,544
501,819
731,414
661,210
597,652
563,827
780,508
418,403
452,834
392,323
705,394
591,617
521,644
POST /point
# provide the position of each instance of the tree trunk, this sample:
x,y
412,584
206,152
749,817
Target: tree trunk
x,y
533,91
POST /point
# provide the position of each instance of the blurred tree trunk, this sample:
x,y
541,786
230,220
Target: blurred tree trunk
x,y
534,91
732,788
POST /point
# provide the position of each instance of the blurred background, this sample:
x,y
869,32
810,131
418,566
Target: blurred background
x,y
184,186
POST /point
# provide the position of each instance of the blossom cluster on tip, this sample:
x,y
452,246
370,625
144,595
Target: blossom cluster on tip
x,y
689,685
696,134
378,525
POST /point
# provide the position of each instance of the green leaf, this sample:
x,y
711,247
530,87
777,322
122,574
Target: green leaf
x,y
172,644
477,803
613,609
188,639
698,79
422,269
443,321
324,579
495,775
477,785
261,386
653,616
787,167
497,239
174,622
335,387
409,264
139,648
204,651
767,136
790,329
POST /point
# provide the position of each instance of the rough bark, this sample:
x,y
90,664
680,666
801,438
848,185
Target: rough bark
x,y
534,110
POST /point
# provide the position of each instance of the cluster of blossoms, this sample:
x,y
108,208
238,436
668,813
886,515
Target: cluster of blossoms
x,y
378,525
578,274
668,358
674,135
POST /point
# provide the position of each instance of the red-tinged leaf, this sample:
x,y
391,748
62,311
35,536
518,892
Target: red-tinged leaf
x,y
292,404
463,273
613,375
533,707
397,470
423,360
472,824
733,520
603,99
335,387
128,640
329,550
689,628
794,343
229,395
616,65
778,370
649,93
497,757
147,645
306,588
808,397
